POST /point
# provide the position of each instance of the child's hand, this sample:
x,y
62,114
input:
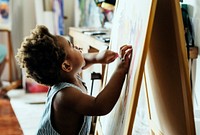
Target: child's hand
x,y
106,57
125,57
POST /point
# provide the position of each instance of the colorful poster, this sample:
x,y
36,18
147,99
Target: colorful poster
x,y
4,12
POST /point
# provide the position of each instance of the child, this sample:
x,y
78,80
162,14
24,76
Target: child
x,y
54,61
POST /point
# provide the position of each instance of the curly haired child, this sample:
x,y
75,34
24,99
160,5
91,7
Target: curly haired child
x,y
54,61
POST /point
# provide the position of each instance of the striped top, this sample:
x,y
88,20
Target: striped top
x,y
46,127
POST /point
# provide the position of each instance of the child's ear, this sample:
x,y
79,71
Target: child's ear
x,y
66,66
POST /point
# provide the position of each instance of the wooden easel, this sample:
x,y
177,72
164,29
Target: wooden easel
x,y
12,69
167,73
163,62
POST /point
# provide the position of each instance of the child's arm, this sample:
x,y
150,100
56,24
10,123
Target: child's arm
x,y
103,57
108,97
79,102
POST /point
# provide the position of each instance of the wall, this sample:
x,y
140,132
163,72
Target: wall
x,y
69,12
194,13
29,19
29,10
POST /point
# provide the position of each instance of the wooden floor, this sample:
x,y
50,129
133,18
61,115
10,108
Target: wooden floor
x,y
9,124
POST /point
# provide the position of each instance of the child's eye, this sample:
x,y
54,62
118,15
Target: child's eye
x,y
81,49
78,48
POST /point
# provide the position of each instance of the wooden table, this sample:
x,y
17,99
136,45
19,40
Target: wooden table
x,y
86,41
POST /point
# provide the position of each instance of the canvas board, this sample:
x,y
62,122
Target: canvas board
x,y
131,25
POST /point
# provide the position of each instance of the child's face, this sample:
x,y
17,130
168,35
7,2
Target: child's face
x,y
74,54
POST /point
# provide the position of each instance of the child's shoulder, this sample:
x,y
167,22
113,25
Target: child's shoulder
x,y
67,96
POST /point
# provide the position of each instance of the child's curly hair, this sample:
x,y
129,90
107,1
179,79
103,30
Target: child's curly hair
x,y
41,56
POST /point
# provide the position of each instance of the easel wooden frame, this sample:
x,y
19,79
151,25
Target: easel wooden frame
x,y
168,66
6,28
10,56
171,13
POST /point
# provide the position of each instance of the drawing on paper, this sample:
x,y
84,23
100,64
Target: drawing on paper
x,y
129,27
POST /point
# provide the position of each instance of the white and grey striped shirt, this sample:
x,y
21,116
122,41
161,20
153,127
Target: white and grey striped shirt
x,y
46,127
